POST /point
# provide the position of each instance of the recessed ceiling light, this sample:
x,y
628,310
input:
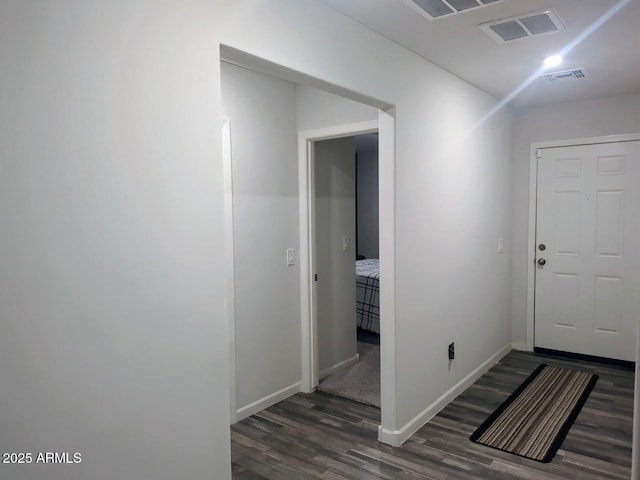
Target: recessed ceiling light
x,y
552,61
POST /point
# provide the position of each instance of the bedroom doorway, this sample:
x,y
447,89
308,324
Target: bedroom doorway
x,y
348,305
385,126
367,238
344,264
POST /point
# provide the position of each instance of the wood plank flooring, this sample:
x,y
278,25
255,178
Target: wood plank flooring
x,y
319,436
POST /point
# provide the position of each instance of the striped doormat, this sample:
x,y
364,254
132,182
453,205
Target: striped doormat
x,y
535,419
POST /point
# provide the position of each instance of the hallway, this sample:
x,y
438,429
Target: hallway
x,y
321,436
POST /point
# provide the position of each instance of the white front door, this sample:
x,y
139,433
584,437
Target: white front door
x,y
588,249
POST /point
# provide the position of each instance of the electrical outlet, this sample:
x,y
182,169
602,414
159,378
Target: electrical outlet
x,y
452,351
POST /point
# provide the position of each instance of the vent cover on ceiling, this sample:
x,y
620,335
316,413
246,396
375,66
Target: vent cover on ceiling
x,y
439,8
555,77
523,26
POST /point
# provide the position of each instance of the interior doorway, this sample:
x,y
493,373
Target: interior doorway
x,y
336,171
367,240
385,126
346,272
273,357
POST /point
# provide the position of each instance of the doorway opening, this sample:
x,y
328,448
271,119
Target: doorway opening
x,y
273,343
345,266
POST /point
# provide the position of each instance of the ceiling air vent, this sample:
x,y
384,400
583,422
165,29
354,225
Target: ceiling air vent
x,y
433,9
523,26
555,77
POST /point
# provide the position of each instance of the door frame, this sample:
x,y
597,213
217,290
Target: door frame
x,y
385,126
533,202
229,256
308,291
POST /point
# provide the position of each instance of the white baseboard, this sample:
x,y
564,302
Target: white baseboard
x,y
390,437
339,366
396,438
522,346
267,401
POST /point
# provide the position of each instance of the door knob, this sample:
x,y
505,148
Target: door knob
x,y
541,262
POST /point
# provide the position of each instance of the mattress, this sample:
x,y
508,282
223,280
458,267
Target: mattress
x,y
368,294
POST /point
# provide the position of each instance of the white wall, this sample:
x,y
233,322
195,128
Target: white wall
x,y
112,223
113,337
572,120
367,192
453,189
334,180
262,113
318,109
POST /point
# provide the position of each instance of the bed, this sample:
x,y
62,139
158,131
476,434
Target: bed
x,y
368,294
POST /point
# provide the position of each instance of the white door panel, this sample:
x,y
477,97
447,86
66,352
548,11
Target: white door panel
x,y
588,218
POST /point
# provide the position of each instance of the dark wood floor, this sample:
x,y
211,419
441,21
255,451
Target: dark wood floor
x,y
321,436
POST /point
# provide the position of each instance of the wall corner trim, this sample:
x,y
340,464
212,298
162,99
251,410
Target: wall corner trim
x,y
390,437
267,401
396,438
339,366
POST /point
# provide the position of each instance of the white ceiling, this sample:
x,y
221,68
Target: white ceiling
x,y
610,55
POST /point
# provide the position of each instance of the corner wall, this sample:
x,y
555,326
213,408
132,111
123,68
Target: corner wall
x,y
114,334
262,115
112,223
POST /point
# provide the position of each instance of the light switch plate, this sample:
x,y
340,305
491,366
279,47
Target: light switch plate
x,y
500,245
291,257
346,244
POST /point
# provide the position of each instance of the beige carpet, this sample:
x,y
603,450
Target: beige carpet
x,y
360,382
